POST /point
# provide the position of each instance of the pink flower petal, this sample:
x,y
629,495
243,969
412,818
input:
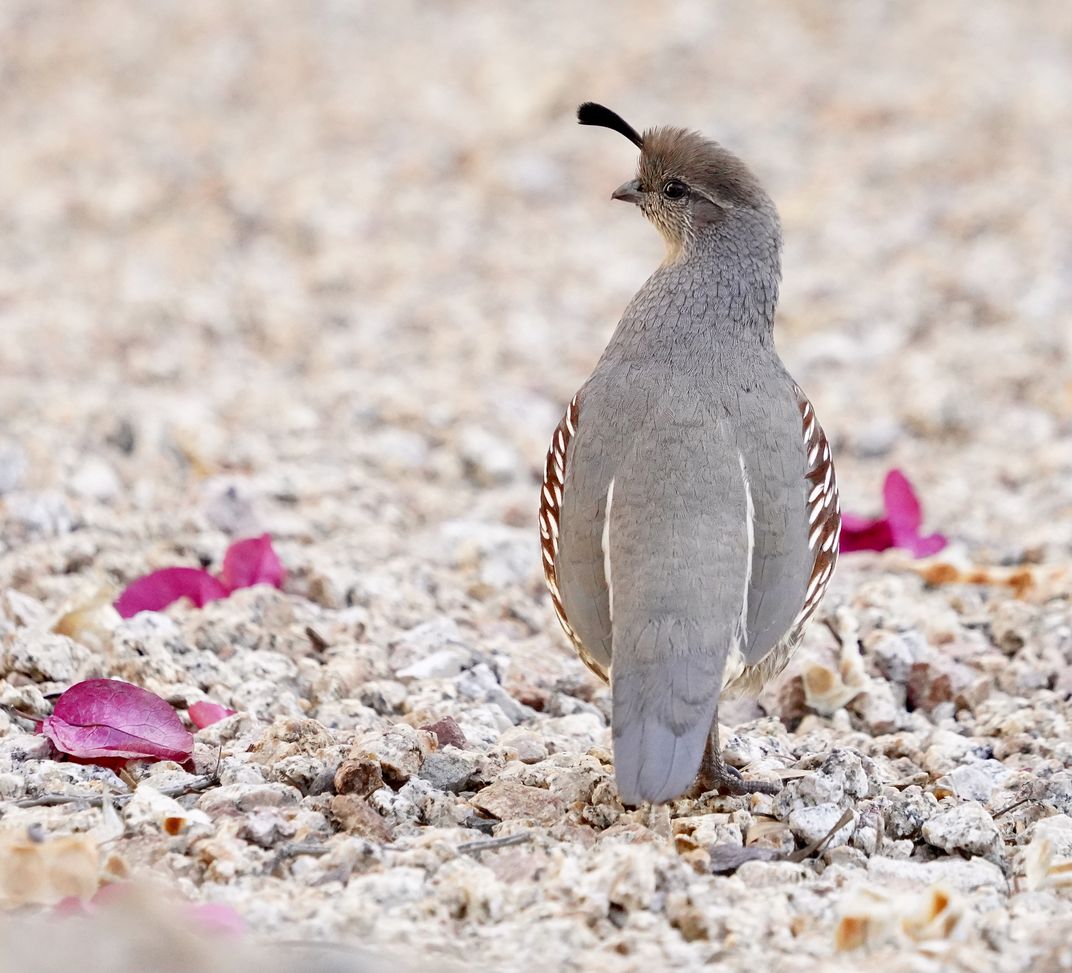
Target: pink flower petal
x,y
109,718
855,524
926,546
154,592
213,917
204,714
874,535
902,505
70,905
899,528
252,561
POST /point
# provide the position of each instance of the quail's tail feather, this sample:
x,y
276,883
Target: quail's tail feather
x,y
662,717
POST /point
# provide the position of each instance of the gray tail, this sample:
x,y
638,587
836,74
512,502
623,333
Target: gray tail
x,y
663,713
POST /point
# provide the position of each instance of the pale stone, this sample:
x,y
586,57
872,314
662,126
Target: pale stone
x,y
967,827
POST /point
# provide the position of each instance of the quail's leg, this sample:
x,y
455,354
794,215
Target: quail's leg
x,y
715,775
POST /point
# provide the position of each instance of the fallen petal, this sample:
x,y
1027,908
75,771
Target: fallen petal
x,y
926,546
252,561
154,592
902,505
108,718
873,535
855,524
899,528
204,714
216,918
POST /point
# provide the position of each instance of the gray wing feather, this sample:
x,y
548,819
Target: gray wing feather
x,y
796,516
578,564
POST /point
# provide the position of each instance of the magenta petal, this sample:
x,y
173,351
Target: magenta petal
x,y
905,516
854,524
252,561
902,505
874,535
110,718
154,592
213,917
205,714
926,546
899,528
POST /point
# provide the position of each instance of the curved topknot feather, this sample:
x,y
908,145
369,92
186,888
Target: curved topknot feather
x,y
592,114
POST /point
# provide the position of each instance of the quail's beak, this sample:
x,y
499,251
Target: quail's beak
x,y
628,192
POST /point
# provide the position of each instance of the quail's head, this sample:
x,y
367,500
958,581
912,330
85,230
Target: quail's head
x,y
688,185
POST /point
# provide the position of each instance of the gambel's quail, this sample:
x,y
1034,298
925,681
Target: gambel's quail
x,y
689,515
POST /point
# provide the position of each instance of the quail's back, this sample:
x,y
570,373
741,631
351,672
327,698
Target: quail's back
x,y
689,515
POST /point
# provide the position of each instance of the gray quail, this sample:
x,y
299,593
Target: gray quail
x,y
689,514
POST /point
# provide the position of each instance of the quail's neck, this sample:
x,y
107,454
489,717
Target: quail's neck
x,y
717,299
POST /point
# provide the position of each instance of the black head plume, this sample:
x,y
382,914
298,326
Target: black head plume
x,y
592,114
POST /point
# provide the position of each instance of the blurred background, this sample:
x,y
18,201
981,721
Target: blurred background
x,y
344,246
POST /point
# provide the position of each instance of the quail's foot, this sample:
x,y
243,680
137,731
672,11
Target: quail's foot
x,y
716,775
728,782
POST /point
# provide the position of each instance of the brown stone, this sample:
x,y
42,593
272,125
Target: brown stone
x,y
399,750
358,775
508,800
356,816
447,732
789,700
927,687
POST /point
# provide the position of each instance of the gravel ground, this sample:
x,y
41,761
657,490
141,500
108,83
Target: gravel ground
x,y
332,270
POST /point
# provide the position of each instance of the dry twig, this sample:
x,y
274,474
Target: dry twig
x,y
489,844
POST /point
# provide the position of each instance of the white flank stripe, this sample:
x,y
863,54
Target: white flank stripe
x,y
605,544
750,521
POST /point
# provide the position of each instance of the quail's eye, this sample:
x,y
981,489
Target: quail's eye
x,y
675,189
